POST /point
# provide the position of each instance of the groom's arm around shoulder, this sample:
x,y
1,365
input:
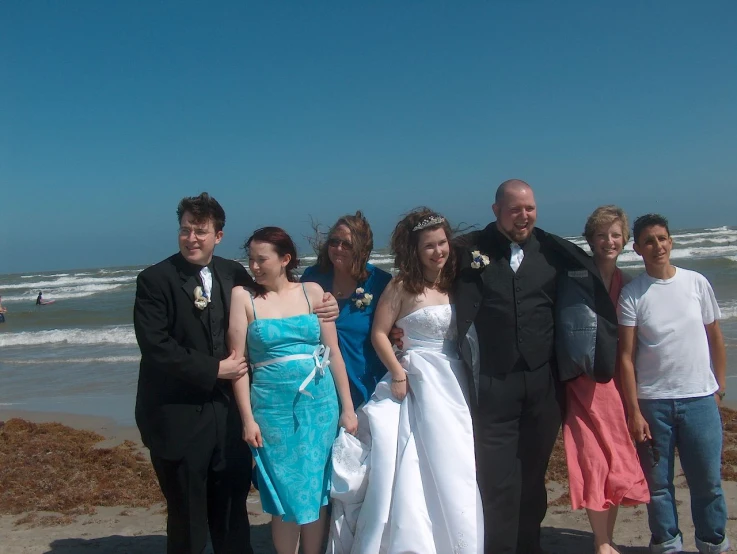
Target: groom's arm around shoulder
x,y
160,337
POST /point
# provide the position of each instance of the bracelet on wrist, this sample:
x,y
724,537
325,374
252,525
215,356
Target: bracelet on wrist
x,y
399,380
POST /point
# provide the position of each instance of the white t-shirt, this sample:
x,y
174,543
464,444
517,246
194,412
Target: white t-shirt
x,y
672,359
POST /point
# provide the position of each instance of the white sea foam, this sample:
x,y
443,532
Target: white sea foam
x,y
56,361
64,293
728,309
70,281
119,334
112,272
382,259
722,228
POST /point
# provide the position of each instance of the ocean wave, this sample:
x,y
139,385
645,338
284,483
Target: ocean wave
x,y
728,309
382,259
112,272
681,253
119,334
64,293
55,361
705,241
70,281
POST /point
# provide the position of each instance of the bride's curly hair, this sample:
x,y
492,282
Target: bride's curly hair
x,y
404,243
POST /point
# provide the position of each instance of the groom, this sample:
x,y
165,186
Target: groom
x,y
185,408
506,291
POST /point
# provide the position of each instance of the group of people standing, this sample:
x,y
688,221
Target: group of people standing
x,y
424,408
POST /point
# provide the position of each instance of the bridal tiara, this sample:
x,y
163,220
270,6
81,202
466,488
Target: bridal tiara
x,y
429,222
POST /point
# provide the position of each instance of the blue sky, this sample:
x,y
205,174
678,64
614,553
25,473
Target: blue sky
x,y
110,112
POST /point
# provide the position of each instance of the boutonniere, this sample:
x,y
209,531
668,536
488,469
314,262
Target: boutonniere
x,y
361,298
200,300
479,260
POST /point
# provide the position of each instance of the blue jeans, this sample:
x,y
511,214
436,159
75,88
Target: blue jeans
x,y
692,425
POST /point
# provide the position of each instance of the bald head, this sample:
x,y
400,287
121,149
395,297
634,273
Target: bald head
x,y
515,210
510,186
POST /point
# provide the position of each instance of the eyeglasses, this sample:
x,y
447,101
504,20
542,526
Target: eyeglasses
x,y
654,453
335,242
199,233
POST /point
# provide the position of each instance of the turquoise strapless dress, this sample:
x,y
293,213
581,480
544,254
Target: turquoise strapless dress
x,y
295,404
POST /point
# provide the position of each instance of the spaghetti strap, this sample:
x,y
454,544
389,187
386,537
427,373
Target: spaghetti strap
x,y
252,305
309,306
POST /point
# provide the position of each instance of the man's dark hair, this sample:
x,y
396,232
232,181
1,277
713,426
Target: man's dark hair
x,y
203,208
648,220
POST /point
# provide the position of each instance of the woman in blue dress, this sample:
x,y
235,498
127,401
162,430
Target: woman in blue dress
x,y
291,412
342,268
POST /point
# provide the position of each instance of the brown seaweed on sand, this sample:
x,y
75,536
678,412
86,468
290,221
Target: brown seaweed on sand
x,y
49,467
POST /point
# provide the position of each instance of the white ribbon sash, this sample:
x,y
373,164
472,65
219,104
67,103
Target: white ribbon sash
x,y
321,355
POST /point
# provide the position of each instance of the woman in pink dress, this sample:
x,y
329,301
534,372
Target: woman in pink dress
x,y
603,469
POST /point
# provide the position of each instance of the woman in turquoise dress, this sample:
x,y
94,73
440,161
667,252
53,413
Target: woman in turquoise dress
x,y
291,413
342,268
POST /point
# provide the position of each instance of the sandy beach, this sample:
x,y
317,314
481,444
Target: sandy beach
x,y
138,530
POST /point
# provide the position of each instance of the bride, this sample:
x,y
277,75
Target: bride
x,y
407,484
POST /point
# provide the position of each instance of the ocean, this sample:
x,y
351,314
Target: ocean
x,y
79,355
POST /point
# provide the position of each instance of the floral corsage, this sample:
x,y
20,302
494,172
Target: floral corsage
x,y
361,299
479,260
200,300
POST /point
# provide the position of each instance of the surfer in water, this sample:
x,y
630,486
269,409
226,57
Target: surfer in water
x,y
39,298
3,309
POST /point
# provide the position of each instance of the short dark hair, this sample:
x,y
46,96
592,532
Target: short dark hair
x,y
648,220
203,209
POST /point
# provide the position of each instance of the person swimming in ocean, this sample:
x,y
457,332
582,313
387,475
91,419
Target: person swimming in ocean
x,y
3,310
39,298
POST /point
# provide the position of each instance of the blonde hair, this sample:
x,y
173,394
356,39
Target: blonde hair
x,y
606,215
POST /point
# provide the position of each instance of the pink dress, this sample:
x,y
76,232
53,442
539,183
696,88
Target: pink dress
x,y
603,469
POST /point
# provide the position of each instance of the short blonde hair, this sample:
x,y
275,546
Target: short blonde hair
x,y
606,215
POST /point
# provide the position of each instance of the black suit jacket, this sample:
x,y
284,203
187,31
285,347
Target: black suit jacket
x,y
468,295
180,399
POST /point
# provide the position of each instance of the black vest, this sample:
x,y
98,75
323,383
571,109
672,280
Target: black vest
x,y
515,321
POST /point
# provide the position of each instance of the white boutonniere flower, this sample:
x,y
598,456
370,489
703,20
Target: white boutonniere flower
x,y
200,300
479,260
361,298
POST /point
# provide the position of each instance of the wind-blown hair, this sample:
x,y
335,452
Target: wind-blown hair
x,y
404,246
606,215
648,220
203,208
283,245
362,239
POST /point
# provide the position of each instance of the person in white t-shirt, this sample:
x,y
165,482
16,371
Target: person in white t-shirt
x,y
669,341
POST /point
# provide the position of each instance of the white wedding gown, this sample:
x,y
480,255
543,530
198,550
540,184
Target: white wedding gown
x,y
407,483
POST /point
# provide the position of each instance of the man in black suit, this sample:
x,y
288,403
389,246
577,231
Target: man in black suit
x,y
185,408
505,304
